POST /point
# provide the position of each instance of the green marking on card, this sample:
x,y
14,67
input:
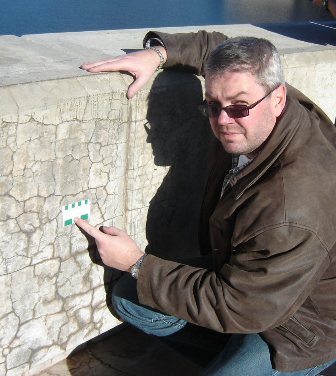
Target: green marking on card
x,y
68,222
79,208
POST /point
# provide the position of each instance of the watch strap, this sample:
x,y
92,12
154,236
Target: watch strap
x,y
134,269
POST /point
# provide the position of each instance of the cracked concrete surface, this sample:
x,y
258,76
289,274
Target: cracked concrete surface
x,y
53,295
67,136
57,151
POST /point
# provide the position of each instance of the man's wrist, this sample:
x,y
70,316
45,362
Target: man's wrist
x,y
158,46
161,53
134,269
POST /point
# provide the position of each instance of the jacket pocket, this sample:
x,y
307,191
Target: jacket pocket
x,y
294,330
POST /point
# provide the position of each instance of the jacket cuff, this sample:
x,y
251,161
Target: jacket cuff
x,y
148,275
187,52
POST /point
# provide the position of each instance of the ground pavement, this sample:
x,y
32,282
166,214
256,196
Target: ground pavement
x,y
126,351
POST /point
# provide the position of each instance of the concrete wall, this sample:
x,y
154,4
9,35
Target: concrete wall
x,y
66,136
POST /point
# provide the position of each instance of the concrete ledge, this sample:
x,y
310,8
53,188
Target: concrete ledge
x,y
67,135
41,57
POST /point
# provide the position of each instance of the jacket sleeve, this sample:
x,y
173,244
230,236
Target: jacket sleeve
x,y
259,289
188,51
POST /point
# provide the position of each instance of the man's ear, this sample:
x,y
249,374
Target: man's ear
x,y
279,99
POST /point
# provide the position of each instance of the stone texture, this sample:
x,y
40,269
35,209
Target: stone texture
x,y
55,295
313,73
66,135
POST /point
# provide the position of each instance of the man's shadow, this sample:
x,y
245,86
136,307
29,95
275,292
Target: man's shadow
x,y
182,139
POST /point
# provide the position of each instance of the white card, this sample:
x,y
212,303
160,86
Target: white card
x,y
80,209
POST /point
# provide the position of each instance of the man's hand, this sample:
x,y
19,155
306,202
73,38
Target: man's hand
x,y
140,64
115,247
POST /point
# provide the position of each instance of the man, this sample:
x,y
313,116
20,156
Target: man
x,y
268,217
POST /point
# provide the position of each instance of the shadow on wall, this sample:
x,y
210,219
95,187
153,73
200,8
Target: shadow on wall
x,y
180,138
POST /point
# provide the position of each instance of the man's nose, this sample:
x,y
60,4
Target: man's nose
x,y
224,118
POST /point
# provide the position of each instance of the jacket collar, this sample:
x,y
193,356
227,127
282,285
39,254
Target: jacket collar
x,y
285,129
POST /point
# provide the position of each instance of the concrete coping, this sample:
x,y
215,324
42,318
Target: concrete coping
x,y
41,57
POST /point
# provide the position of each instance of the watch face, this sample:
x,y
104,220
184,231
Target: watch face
x,y
135,268
134,272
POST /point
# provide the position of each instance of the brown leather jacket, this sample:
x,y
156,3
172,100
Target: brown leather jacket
x,y
273,236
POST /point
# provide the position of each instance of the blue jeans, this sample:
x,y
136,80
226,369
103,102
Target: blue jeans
x,y
243,354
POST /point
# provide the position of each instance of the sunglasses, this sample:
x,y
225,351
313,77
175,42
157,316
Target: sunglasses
x,y
213,109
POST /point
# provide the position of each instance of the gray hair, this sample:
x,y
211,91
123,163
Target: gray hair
x,y
247,54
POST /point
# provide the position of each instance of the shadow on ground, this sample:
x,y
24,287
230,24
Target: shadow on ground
x,y
124,351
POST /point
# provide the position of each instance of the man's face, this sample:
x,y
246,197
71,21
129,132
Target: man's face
x,y
242,135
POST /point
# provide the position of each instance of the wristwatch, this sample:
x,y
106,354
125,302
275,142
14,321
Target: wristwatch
x,y
134,269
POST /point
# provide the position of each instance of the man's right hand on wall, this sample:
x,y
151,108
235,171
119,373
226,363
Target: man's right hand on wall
x,y
140,64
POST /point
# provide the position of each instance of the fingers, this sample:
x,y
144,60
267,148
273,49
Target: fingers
x,y
87,66
113,231
91,230
96,233
140,64
101,66
116,64
136,85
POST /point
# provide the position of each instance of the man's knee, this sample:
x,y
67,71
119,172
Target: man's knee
x,y
123,295
126,305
